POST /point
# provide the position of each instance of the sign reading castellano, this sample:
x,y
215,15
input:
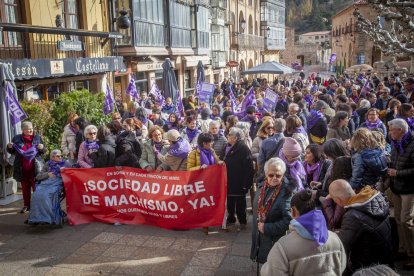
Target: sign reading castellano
x,y
24,69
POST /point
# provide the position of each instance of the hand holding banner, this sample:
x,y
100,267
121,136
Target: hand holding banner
x,y
179,200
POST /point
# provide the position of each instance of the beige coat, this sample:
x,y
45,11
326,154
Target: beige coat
x,y
294,255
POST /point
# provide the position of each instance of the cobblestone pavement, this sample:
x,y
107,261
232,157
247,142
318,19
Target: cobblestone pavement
x,y
104,249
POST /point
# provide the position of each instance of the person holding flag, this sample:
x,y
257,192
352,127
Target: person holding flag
x,y
132,89
109,101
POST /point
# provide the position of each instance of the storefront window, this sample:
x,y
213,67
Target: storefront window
x,y
158,79
188,83
141,82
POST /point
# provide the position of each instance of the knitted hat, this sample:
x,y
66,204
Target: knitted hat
x,y
291,147
173,135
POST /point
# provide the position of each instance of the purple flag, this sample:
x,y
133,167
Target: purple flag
x,y
16,112
109,101
367,87
198,86
233,100
28,154
132,89
179,105
159,98
332,58
249,100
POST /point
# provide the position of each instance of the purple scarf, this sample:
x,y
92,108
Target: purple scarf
x,y
180,149
191,134
213,117
296,170
28,154
302,130
410,121
158,145
54,167
228,148
91,146
313,118
399,145
73,130
308,99
314,170
372,126
206,156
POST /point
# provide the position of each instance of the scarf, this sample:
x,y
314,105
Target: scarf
x,y
265,205
73,130
180,149
28,154
54,167
158,145
399,145
206,156
228,148
313,118
308,99
91,146
372,126
213,117
302,130
409,120
314,170
191,134
296,170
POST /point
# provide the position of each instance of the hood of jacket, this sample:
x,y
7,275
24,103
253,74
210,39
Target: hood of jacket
x,y
369,201
109,140
311,226
375,160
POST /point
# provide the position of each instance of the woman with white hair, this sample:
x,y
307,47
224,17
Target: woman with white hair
x,y
27,149
46,197
89,146
271,210
240,171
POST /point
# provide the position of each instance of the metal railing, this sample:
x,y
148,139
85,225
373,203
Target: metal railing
x,y
274,44
219,3
248,42
19,41
219,59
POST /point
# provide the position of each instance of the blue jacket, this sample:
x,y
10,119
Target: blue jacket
x,y
381,128
367,167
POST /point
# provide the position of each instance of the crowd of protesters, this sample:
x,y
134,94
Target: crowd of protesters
x,y
325,163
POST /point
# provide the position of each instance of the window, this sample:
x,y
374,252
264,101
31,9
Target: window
x,y
203,27
10,12
141,81
148,22
180,18
70,11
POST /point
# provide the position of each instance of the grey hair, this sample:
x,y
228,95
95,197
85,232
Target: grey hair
x,y
399,123
245,127
320,104
376,270
88,128
237,132
365,103
54,153
275,162
280,125
295,106
386,89
215,123
26,125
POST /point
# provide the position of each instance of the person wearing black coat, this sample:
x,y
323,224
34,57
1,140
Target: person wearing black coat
x,y
105,156
128,150
365,228
26,165
240,172
80,124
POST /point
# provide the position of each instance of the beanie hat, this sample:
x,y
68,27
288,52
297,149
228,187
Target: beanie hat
x,y
205,113
250,109
291,147
173,135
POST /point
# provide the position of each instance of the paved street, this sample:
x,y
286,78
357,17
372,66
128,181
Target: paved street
x,y
103,249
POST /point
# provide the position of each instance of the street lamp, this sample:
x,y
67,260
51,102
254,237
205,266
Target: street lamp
x,y
242,27
268,31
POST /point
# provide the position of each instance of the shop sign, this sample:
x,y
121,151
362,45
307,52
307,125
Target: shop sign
x,y
70,45
24,69
142,67
232,63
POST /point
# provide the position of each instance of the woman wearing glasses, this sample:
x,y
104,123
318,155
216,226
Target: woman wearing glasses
x,y
88,147
271,210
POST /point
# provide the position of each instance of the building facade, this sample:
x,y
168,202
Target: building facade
x,y
272,28
58,46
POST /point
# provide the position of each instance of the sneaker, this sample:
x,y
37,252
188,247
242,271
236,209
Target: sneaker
x,y
24,210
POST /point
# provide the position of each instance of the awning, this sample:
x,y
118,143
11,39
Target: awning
x,y
192,61
271,67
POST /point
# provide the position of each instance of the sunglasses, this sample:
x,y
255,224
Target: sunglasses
x,y
274,175
92,133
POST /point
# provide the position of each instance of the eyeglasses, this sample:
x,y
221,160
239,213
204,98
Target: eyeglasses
x,y
269,127
274,175
92,133
119,118
58,156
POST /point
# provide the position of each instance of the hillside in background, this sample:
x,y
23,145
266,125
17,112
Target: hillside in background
x,y
312,15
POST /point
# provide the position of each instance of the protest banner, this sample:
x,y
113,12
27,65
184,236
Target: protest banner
x,y
270,100
206,93
172,200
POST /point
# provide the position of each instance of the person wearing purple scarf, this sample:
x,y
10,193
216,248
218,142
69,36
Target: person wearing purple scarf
x,y
373,121
310,248
203,155
191,132
88,147
315,165
176,157
290,153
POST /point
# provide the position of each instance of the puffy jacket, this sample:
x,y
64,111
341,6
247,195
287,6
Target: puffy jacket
x,y
366,231
367,167
219,145
404,164
148,157
193,159
105,156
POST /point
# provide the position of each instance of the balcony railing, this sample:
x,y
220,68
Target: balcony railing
x,y
19,41
274,44
219,59
218,16
229,17
248,42
219,3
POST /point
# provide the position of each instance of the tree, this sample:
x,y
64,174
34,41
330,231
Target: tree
x,y
393,28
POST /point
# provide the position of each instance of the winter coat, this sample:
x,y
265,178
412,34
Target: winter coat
x,y
295,255
219,145
68,141
303,141
128,150
205,125
325,164
149,158
193,160
341,134
268,147
84,159
17,165
333,213
257,143
193,143
366,231
240,171
319,130
44,173
382,128
168,109
404,164
105,156
275,226
368,166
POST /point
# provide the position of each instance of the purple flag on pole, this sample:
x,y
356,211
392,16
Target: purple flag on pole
x,y
367,87
249,100
198,86
332,58
16,112
132,89
179,105
233,100
109,101
159,98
